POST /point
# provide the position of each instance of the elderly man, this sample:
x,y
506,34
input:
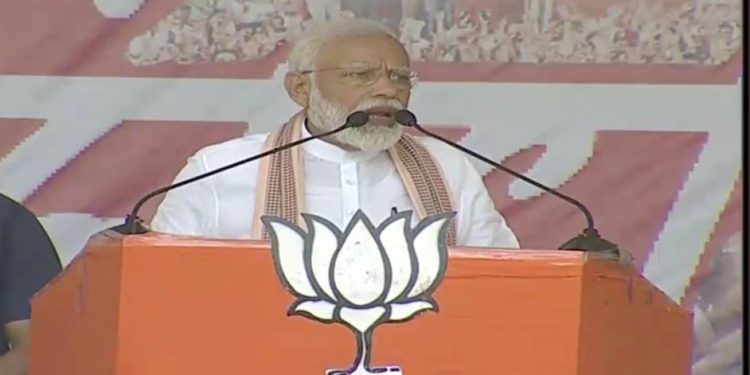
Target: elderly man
x,y
28,261
340,68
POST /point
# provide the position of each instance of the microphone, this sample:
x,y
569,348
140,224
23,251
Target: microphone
x,y
134,225
588,240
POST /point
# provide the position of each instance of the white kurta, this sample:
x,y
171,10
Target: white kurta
x,y
337,183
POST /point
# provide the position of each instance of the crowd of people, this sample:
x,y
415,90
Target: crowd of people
x,y
632,32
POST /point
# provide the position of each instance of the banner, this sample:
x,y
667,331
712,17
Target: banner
x,y
632,106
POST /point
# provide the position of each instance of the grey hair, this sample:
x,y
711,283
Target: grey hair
x,y
304,55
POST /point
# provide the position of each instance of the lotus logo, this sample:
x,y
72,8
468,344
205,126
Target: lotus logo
x,y
362,277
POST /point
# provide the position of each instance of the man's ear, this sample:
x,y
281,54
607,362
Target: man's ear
x,y
298,87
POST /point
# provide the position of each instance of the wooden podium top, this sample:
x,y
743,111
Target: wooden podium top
x,y
548,259
159,304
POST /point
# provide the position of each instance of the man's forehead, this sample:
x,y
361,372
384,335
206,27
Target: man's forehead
x,y
373,64
365,50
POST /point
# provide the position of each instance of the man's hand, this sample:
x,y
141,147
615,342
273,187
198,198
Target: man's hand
x,y
16,361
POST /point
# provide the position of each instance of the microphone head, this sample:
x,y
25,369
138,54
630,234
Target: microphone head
x,y
357,119
405,117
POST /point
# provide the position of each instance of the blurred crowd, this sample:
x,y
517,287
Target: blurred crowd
x,y
545,31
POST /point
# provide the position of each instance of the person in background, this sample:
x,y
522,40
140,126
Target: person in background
x,y
717,314
28,261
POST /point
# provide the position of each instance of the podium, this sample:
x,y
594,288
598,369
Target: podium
x,y
156,304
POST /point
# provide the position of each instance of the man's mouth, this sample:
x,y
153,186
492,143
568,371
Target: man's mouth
x,y
382,112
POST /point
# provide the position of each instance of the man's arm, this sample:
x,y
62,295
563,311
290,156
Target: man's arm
x,y
29,261
15,362
190,209
483,225
479,222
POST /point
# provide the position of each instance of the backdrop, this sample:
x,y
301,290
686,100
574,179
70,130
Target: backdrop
x,y
633,106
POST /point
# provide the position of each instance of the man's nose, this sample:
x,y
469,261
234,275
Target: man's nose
x,y
385,87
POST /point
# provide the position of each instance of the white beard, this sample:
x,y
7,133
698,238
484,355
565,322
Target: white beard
x,y
327,115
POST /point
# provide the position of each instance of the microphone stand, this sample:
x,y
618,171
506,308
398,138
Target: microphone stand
x,y
134,225
588,240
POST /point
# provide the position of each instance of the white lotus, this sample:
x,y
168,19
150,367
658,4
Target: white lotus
x,y
361,277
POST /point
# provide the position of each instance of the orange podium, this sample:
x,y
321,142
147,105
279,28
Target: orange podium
x,y
155,304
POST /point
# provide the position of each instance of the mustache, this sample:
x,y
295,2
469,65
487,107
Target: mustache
x,y
379,103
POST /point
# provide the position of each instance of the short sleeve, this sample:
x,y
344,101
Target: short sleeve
x,y
28,261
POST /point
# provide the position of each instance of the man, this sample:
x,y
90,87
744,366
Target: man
x,y
27,262
335,70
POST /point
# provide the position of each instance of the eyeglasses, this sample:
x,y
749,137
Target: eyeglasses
x,y
363,76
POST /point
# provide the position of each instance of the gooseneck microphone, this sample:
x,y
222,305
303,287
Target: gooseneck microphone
x,y
588,240
133,224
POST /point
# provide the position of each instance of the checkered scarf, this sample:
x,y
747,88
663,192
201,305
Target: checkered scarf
x,y
281,181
